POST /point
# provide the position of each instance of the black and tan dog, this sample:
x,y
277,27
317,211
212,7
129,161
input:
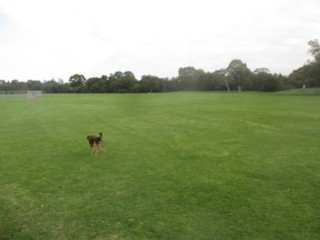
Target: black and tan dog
x,y
95,143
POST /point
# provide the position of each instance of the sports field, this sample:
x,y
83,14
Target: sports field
x,y
178,166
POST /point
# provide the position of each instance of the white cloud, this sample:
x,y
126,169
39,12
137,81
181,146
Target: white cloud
x,y
50,39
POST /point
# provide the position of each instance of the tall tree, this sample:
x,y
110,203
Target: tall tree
x,y
263,80
224,78
314,49
188,78
77,81
309,74
128,81
121,82
34,85
18,86
241,75
53,87
96,85
149,83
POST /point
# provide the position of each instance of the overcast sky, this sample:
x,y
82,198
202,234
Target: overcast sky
x,y
45,39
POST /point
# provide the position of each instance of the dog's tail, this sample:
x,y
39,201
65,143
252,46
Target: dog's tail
x,y
100,135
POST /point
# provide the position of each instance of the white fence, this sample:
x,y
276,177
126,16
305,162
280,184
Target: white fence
x,y
20,94
33,94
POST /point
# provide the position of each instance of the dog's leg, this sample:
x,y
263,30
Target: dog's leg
x,y
95,148
92,151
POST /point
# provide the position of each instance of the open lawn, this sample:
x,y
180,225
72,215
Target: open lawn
x,y
178,166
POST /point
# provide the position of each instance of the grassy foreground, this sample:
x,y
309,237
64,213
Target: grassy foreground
x,y
178,166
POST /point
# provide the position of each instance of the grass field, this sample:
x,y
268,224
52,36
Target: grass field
x,y
178,166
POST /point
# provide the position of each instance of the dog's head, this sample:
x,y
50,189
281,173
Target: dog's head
x,y
90,137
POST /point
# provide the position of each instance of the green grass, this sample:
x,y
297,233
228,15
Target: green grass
x,y
302,92
178,166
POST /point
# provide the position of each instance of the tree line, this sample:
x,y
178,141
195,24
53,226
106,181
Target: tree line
x,y
237,76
